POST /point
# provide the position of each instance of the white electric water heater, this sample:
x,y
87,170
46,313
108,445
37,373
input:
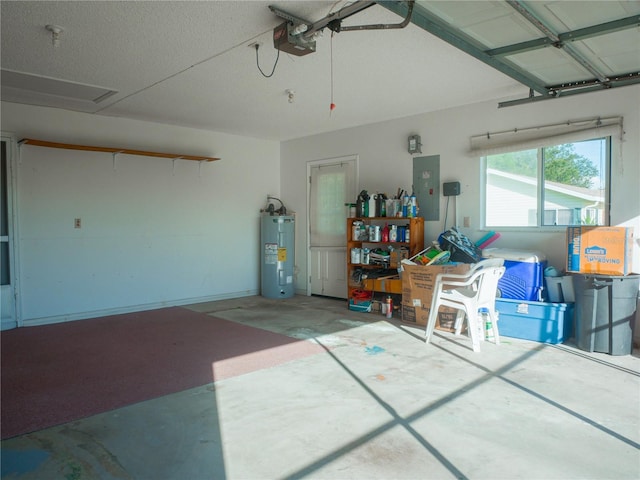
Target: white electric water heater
x,y
277,258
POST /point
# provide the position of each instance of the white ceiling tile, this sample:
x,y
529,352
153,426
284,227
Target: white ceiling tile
x,y
552,66
501,31
579,14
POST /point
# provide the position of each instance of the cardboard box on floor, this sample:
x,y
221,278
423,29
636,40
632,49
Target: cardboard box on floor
x,y
417,291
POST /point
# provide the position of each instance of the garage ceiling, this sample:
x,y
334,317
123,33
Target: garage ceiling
x,y
194,63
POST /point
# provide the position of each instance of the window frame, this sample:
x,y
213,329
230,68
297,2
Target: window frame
x,y
540,188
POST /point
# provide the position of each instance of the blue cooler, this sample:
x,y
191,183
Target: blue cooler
x,y
524,275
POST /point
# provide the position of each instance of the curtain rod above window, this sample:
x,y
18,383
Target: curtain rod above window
x,y
544,135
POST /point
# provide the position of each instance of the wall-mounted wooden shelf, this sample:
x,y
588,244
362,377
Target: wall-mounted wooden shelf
x,y
69,146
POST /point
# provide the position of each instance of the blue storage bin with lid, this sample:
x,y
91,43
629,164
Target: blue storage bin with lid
x,y
523,278
538,321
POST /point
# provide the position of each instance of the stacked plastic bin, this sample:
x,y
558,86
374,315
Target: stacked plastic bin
x,y
523,314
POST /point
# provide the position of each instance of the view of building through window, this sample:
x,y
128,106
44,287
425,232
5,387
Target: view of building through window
x,y
558,185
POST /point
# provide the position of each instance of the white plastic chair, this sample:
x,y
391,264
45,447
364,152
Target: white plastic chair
x,y
468,293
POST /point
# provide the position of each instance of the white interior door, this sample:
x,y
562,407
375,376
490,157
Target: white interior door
x,y
7,287
332,183
328,271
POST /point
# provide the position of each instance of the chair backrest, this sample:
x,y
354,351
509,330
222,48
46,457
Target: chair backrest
x,y
471,279
488,285
488,262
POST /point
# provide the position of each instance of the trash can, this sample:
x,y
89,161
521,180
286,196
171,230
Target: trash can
x,y
605,309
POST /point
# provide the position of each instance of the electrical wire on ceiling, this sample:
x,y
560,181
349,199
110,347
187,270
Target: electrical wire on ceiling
x,y
180,72
257,47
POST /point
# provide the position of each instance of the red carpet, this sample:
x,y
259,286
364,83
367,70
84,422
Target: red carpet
x,y
55,374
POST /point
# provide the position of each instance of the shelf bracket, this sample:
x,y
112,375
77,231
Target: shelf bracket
x,y
115,160
19,144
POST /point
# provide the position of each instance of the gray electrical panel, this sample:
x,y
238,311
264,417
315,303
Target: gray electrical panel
x,y
277,258
426,185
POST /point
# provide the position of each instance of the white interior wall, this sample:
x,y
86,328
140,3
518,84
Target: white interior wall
x,y
385,165
154,233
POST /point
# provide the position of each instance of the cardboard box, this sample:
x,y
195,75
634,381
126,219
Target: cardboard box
x,y
386,285
602,250
396,256
419,316
537,321
417,291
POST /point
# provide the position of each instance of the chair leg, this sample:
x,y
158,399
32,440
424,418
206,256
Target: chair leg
x,y
459,322
472,325
431,322
494,326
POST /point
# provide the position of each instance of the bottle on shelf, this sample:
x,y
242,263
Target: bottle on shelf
x,y
364,256
385,233
413,205
362,204
374,233
372,206
393,233
356,229
381,205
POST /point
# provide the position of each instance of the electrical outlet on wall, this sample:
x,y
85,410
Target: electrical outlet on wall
x,y
77,223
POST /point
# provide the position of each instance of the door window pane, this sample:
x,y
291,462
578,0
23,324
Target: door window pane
x,y
332,185
331,200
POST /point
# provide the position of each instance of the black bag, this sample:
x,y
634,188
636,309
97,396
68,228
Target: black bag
x,y
461,248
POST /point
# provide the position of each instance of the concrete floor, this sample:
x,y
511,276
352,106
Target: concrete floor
x,y
378,404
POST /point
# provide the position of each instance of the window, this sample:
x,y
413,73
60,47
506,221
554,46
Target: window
x,y
558,185
548,175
